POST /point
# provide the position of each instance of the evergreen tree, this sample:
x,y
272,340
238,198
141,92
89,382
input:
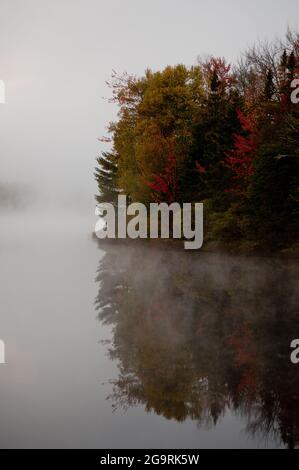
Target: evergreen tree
x,y
284,60
106,178
284,79
214,132
273,199
214,81
291,66
292,62
269,89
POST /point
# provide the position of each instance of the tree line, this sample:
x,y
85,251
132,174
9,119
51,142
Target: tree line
x,y
226,135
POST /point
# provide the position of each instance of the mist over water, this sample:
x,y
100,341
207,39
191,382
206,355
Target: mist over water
x,y
130,346
112,346
204,339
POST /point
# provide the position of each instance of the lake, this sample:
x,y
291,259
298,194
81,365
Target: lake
x,y
128,346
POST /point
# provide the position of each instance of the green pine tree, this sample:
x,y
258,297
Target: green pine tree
x,y
269,89
284,60
291,66
106,178
273,200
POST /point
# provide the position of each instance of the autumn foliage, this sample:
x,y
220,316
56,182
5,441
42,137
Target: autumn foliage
x,y
226,135
240,159
165,186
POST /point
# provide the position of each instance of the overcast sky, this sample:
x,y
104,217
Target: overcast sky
x,y
55,56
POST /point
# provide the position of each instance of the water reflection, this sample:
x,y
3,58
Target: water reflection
x,y
197,336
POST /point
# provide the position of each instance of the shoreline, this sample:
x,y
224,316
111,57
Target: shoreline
x,y
233,249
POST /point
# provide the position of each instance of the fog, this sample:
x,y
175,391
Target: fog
x,y
111,346
55,58
188,350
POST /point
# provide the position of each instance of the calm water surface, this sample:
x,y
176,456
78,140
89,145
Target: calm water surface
x,y
133,347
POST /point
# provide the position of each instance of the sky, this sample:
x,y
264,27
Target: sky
x,y
55,59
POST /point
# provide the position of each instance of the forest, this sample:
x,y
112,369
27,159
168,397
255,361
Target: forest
x,y
222,134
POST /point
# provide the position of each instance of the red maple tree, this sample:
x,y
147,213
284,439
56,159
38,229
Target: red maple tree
x,y
200,168
240,159
165,185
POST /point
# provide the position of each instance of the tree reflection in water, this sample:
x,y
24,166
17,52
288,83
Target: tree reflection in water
x,y
197,335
